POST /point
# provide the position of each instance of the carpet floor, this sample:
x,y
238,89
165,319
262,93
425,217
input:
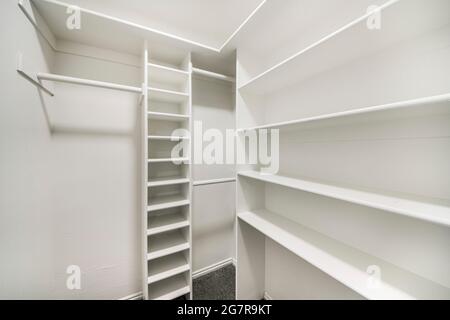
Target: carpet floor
x,y
216,285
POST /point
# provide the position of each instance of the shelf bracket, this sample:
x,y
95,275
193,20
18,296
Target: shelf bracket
x,y
30,78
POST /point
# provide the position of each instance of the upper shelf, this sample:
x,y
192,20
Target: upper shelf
x,y
400,20
430,210
109,32
428,105
344,263
167,75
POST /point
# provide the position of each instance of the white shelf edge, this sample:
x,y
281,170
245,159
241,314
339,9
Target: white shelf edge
x,y
317,43
384,107
167,205
347,265
174,160
168,92
165,252
167,274
169,138
402,206
157,115
134,25
213,181
214,75
170,69
174,294
167,182
169,227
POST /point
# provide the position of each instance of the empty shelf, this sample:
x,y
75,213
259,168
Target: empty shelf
x,y
104,31
174,160
162,95
169,289
166,222
168,138
431,210
167,75
423,106
167,181
345,264
167,116
166,202
167,267
316,58
166,243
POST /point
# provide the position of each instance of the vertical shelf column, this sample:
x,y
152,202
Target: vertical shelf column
x,y
167,181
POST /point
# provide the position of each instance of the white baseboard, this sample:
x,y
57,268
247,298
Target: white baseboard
x,y
134,296
213,267
196,274
266,296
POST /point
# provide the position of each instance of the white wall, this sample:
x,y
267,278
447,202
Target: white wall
x,y
213,205
69,169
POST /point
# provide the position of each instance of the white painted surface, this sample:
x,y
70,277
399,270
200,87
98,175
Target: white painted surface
x,y
213,200
69,168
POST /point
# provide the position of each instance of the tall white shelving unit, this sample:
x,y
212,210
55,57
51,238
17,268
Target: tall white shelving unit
x,y
337,221
167,189
165,106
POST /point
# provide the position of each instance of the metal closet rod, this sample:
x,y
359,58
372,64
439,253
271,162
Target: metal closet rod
x,y
85,82
214,75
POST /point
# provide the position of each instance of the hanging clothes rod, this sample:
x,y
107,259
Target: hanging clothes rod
x,y
214,75
91,83
215,181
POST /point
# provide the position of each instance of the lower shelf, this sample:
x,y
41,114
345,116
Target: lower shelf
x,y
167,267
344,263
165,244
167,202
169,289
166,222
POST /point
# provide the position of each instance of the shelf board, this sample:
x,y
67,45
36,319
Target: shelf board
x,y
166,222
168,138
104,31
165,244
315,59
167,202
167,181
417,107
167,75
431,210
169,289
167,267
163,95
167,116
160,160
343,263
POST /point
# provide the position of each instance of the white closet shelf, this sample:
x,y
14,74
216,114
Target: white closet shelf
x,y
104,31
431,210
427,105
168,138
343,263
167,267
352,41
170,96
167,75
174,160
167,116
169,289
166,222
158,182
165,244
166,202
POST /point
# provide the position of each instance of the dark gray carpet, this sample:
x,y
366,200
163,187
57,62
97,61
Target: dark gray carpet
x,y
217,285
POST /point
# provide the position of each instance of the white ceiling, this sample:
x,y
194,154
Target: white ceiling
x,y
209,22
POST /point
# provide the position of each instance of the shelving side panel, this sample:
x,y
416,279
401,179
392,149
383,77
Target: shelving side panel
x,y
144,173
